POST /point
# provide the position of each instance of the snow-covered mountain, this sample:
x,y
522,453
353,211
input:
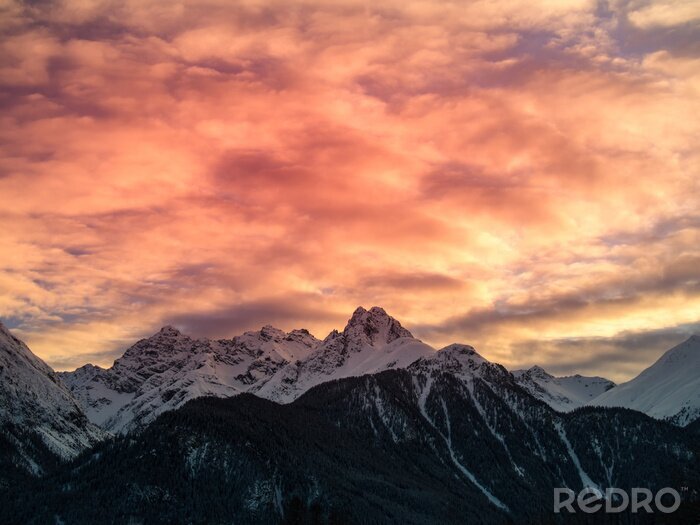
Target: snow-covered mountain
x,y
166,370
561,393
371,342
39,418
669,389
420,436
450,439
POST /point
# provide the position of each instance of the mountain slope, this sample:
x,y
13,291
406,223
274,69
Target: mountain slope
x,y
450,439
41,423
561,393
669,389
166,370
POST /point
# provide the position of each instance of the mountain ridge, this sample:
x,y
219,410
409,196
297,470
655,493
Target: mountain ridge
x,y
42,423
564,393
668,389
163,371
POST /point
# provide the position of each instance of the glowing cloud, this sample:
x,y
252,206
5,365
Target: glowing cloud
x,y
516,175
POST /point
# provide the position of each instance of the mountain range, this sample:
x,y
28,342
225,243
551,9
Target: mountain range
x,y
168,369
369,425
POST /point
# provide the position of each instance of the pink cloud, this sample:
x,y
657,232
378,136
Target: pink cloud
x,y
189,160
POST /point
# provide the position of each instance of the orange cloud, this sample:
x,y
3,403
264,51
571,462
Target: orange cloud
x,y
493,173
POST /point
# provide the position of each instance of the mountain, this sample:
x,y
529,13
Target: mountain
x,y
669,389
166,370
561,393
41,423
452,438
372,341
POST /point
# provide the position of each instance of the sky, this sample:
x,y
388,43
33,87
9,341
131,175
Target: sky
x,y
522,176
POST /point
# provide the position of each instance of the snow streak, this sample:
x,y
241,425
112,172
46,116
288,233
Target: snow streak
x,y
423,398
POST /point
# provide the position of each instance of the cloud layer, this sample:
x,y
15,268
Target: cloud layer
x,y
516,175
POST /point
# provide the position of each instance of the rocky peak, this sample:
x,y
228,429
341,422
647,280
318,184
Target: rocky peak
x,y
460,355
86,371
270,333
333,335
168,340
4,331
458,348
8,339
33,398
463,361
169,331
373,327
538,371
303,336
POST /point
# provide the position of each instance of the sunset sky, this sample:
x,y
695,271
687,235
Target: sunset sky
x,y
522,176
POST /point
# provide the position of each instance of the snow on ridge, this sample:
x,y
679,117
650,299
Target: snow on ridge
x,y
372,341
669,389
564,393
164,371
33,400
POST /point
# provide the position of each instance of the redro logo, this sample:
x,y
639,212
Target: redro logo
x,y
615,500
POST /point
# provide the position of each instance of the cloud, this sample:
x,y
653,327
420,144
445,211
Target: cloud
x,y
487,171
285,312
72,361
617,358
666,14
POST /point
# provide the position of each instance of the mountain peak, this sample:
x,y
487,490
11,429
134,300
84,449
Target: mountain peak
x,y
269,332
667,389
361,313
458,348
358,312
458,352
374,327
167,340
538,371
682,352
169,330
6,332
